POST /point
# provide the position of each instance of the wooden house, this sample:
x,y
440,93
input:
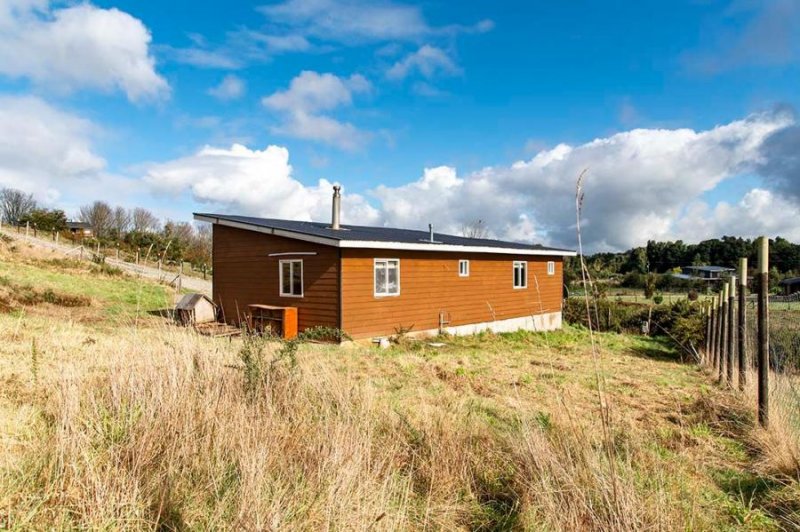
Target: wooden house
x,y
79,229
375,281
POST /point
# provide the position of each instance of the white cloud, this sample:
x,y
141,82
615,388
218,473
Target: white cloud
x,y
308,96
639,187
428,61
350,20
230,88
80,46
254,182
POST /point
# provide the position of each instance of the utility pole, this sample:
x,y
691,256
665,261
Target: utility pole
x,y
742,322
763,332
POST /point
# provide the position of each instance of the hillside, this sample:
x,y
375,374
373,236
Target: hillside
x,y
111,417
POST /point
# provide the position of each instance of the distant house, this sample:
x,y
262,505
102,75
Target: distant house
x,y
790,286
705,273
375,281
79,228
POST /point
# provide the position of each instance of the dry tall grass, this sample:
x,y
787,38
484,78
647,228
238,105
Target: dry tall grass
x,y
170,436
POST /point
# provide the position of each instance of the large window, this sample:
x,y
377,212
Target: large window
x,y
551,268
291,278
387,277
463,268
520,274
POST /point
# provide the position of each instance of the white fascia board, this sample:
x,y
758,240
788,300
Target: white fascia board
x,y
401,246
366,244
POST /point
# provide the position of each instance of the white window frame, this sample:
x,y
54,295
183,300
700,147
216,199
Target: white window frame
x,y
375,277
524,265
465,271
551,267
292,263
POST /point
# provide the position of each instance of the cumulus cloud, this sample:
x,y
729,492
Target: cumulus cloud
x,y
639,187
230,88
80,46
780,161
428,61
255,182
311,94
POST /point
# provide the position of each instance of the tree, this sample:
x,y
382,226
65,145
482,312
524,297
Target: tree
x,y
99,216
121,221
475,229
144,221
15,204
46,219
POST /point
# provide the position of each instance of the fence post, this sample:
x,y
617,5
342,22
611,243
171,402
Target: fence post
x,y
731,328
717,328
708,332
742,322
58,237
723,336
27,228
763,332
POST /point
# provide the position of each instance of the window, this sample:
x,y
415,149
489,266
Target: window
x,y
291,278
387,277
551,268
520,274
463,268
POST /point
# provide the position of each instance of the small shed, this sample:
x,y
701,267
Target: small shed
x,y
193,309
790,286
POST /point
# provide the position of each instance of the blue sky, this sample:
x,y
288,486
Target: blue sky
x,y
683,112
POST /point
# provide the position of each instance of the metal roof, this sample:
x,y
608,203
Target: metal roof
x,y
189,301
710,268
790,281
359,236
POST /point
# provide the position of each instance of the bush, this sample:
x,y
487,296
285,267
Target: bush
x,y
658,299
693,295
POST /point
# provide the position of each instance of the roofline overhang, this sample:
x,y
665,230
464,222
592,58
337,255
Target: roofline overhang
x,y
372,244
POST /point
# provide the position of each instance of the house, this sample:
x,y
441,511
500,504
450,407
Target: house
x,y
790,286
706,273
374,281
82,229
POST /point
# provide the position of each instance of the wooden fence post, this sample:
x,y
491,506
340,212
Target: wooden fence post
x,y
717,329
731,328
742,322
708,332
763,332
723,336
27,228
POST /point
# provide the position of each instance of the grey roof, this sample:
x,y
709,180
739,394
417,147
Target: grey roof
x,y
78,225
375,234
711,268
791,281
189,301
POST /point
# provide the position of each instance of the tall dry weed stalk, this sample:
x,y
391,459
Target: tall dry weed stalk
x,y
587,283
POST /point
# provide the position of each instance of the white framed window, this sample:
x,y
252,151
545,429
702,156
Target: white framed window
x,y
291,278
463,268
520,274
551,267
387,277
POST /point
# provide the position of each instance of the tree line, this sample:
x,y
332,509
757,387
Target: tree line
x,y
132,230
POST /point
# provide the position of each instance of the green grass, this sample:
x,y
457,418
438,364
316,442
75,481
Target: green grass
x,y
117,297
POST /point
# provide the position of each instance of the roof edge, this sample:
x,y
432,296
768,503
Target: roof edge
x,y
372,244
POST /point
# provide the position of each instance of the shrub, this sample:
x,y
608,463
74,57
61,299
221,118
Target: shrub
x,y
692,295
658,299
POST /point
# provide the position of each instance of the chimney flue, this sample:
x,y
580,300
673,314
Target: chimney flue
x,y
430,228
337,206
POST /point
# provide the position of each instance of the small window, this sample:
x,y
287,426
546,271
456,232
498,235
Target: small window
x,y
387,277
551,268
291,278
520,274
463,268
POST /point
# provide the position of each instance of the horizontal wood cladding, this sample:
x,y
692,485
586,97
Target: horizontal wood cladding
x,y
245,274
429,283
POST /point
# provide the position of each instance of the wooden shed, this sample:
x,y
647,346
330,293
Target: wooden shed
x,y
374,281
194,309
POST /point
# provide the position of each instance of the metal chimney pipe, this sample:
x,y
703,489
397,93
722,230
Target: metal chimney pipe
x,y
430,228
337,207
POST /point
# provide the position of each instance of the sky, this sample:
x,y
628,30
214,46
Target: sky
x,y
682,114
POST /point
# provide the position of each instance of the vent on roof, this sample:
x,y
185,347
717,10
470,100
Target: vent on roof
x,y
336,208
430,240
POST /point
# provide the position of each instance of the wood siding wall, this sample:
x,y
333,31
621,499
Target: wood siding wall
x,y
429,283
244,274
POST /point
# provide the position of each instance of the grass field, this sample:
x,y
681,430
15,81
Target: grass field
x,y
111,418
